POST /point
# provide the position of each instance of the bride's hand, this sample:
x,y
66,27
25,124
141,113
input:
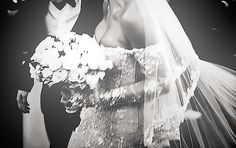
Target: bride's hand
x,y
94,99
71,100
121,96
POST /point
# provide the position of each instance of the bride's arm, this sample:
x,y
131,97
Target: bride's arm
x,y
153,84
121,96
156,80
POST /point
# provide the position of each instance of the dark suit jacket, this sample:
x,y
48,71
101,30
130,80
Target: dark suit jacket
x,y
16,36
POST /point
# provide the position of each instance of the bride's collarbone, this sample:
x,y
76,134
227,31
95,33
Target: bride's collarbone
x,y
109,40
133,27
112,35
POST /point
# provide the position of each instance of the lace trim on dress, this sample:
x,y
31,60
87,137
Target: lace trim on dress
x,y
151,55
166,127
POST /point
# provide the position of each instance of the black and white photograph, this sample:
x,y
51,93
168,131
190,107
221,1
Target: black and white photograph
x,y
118,73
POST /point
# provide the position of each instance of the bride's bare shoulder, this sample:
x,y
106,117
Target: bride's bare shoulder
x,y
133,25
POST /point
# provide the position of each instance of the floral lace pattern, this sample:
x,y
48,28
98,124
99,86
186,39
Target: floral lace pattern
x,y
166,127
114,127
123,126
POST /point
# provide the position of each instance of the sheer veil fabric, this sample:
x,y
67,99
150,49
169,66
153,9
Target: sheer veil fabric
x,y
210,88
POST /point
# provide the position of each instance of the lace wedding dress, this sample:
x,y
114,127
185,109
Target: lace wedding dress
x,y
117,126
122,124
176,82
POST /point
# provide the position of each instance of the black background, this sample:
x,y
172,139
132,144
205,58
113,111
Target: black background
x,y
210,25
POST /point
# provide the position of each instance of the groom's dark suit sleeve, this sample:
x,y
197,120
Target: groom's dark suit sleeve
x,y
31,29
20,32
26,82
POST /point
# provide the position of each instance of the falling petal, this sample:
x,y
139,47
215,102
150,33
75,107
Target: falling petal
x,y
225,3
12,12
214,29
190,114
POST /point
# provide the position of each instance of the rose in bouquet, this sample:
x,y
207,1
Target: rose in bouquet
x,y
75,60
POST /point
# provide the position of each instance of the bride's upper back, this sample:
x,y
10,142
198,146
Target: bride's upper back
x,y
121,25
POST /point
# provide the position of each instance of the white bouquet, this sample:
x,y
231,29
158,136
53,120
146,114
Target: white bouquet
x,y
75,60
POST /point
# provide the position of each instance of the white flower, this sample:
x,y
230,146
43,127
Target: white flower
x,y
95,58
58,45
77,38
48,57
66,38
52,52
46,72
88,43
100,75
66,47
76,76
59,76
84,59
105,65
84,69
74,46
92,80
46,43
92,64
73,76
71,60
109,64
54,64
38,56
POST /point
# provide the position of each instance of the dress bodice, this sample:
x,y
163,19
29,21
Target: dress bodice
x,y
123,71
123,125
119,126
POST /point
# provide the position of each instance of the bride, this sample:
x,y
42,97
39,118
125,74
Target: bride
x,y
146,97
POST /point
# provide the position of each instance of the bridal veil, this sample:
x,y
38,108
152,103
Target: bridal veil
x,y
199,98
